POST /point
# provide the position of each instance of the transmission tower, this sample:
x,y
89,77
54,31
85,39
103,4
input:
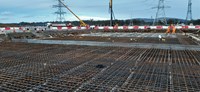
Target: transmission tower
x,y
60,13
131,20
160,14
189,11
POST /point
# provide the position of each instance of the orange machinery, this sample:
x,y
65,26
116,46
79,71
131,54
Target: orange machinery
x,y
171,28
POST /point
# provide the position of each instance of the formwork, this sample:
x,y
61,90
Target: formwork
x,y
39,67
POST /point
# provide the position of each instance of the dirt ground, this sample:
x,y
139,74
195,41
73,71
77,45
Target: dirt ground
x,y
183,40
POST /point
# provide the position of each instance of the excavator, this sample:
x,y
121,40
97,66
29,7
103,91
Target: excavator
x,y
83,24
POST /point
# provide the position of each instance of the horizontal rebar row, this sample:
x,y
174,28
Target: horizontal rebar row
x,y
34,67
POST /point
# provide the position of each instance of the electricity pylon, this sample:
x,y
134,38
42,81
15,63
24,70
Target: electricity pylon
x,y
60,13
160,14
189,11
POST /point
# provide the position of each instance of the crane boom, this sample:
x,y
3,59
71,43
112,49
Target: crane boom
x,y
81,22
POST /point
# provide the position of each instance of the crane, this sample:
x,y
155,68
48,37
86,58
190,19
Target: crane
x,y
81,21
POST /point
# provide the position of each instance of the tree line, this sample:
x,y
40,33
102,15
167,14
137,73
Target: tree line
x,y
127,22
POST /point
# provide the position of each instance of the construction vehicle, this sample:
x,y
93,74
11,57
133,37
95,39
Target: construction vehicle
x,y
81,21
171,28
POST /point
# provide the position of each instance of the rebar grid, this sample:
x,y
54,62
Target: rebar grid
x,y
34,67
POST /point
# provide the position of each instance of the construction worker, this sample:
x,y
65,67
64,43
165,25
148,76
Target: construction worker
x,y
171,28
160,37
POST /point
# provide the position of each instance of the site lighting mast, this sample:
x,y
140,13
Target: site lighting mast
x,y
111,12
60,13
189,11
160,14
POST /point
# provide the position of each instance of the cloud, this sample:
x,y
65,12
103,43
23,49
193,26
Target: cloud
x,y
27,16
92,17
4,19
23,10
73,18
42,16
6,13
25,4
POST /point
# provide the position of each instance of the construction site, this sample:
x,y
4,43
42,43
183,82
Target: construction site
x,y
100,59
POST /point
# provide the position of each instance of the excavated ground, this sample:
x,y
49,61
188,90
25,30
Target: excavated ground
x,y
147,38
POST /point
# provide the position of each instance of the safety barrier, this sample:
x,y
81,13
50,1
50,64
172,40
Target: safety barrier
x,y
123,27
25,29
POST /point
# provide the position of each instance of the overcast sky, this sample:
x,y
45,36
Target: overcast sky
x,y
41,10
